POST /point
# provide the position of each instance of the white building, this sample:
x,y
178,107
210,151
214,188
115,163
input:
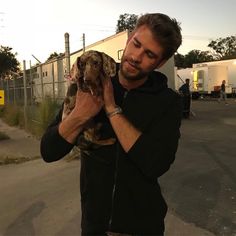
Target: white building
x,y
49,77
206,77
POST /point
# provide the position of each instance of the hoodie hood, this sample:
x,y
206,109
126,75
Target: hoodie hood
x,y
155,83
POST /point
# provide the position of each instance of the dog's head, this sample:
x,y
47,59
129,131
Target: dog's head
x,y
90,69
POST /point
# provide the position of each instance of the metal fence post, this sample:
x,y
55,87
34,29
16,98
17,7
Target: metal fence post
x,y
25,94
14,91
41,79
53,82
31,85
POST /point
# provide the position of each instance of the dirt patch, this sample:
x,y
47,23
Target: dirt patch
x,y
6,159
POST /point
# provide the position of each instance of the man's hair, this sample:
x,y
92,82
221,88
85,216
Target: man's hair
x,y
167,31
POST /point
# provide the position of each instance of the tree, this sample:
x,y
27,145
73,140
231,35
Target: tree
x,y
179,60
126,21
54,55
224,47
192,57
8,62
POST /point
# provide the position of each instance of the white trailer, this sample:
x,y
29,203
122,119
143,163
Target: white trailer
x,y
207,79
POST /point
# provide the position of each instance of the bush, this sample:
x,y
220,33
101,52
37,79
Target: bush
x,y
3,136
13,115
47,111
1,111
38,116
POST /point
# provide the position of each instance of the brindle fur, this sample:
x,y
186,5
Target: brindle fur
x,y
87,74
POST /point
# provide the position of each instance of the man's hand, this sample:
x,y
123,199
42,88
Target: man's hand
x,y
86,107
108,95
126,133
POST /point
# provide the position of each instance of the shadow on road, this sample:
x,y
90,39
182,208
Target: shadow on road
x,y
23,225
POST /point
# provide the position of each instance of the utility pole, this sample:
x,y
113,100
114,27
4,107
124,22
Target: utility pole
x,y
67,53
83,38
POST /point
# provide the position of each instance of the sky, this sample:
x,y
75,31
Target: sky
x,y
32,27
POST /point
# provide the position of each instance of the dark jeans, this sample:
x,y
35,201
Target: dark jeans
x,y
186,105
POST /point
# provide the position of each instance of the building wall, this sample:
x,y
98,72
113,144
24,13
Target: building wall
x,y
112,46
231,65
169,70
55,70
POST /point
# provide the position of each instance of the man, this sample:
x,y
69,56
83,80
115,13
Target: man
x,y
186,95
119,188
223,95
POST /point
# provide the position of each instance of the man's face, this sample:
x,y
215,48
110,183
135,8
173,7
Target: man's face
x,y
142,55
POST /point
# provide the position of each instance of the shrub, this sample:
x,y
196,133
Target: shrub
x,y
47,111
3,136
13,115
38,116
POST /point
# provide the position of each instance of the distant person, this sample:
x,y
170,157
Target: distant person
x,y
186,94
223,95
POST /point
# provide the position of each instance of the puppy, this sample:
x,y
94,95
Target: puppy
x,y
87,74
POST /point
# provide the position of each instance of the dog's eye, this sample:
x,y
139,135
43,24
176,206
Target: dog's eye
x,y
81,64
95,63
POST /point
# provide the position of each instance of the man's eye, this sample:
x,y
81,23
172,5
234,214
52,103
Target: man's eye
x,y
151,55
136,44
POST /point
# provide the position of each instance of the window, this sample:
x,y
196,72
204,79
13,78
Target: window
x,y
120,53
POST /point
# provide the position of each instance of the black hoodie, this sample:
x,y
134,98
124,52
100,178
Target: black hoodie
x,y
120,191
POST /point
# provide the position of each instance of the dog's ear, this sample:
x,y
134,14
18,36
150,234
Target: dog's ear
x,y
75,72
109,65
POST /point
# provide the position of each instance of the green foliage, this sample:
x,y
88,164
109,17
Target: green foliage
x,y
38,117
194,56
47,111
3,136
13,115
8,61
126,21
224,47
54,55
2,108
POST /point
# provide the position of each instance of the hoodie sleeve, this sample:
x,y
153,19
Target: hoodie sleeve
x,y
53,146
155,149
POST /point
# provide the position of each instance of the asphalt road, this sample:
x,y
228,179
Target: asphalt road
x,y
38,198
201,185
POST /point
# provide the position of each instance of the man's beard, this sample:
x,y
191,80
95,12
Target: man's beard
x,y
139,76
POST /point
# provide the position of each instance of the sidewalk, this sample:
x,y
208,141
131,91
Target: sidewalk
x,y
21,146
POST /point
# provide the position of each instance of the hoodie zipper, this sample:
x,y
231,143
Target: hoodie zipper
x,y
115,174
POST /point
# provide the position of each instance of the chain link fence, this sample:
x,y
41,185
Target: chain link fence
x,y
28,95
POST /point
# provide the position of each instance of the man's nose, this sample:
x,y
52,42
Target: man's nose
x,y
137,56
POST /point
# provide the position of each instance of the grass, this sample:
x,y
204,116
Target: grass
x,y
38,116
3,136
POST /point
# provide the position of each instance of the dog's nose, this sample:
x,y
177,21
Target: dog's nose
x,y
87,79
